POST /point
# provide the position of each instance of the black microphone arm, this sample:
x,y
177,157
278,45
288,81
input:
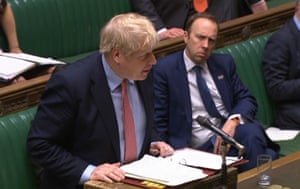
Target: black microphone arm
x,y
203,121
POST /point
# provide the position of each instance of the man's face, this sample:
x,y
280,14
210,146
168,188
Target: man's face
x,y
201,40
137,65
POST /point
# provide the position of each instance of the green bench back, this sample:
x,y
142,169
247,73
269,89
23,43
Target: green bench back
x,y
248,56
276,3
63,28
15,168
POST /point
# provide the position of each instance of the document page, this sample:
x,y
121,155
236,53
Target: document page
x,y
197,158
161,170
32,58
277,134
10,67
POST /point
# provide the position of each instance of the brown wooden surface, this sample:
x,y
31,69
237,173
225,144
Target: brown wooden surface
x,y
285,172
211,182
20,96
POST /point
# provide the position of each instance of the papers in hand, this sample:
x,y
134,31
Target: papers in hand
x,y
13,64
161,170
276,134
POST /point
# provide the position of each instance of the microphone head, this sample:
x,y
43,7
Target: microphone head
x,y
204,121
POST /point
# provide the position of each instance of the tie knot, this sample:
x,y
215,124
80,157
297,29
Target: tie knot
x,y
124,83
198,69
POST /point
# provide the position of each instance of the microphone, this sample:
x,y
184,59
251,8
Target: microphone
x,y
209,125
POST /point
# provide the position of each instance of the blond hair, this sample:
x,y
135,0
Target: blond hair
x,y
129,33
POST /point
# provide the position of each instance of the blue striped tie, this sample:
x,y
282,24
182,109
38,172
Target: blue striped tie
x,y
206,96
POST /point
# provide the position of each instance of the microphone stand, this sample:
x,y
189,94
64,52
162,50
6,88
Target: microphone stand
x,y
224,166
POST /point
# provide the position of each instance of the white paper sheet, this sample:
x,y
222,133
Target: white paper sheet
x,y
197,158
277,134
32,58
161,170
10,68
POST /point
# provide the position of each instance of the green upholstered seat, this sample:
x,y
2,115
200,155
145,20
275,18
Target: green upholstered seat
x,y
16,171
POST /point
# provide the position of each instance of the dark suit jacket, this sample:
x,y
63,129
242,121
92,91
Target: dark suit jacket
x,y
173,110
164,13
75,124
281,62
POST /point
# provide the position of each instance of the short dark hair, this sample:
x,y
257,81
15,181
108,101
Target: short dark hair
x,y
196,16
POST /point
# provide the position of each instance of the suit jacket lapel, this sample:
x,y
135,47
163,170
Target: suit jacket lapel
x,y
181,80
146,94
101,93
296,36
220,81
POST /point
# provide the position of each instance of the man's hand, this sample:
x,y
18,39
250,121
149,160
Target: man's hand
x,y
171,33
259,7
108,173
161,148
229,128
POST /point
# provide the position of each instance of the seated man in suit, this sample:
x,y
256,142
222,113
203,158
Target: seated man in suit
x,y
168,16
97,113
281,61
224,100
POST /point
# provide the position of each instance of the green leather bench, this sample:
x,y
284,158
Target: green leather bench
x,y
63,29
247,56
275,3
16,171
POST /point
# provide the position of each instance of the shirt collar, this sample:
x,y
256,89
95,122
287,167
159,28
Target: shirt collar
x,y
114,81
297,22
189,64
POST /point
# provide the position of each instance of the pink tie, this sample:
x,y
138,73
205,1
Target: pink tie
x,y
130,138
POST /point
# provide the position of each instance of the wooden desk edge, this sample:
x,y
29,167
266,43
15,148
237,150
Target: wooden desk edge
x,y
92,184
276,163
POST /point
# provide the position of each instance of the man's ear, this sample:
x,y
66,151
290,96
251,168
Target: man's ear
x,y
116,55
185,36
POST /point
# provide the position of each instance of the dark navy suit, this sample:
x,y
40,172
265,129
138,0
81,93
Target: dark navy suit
x,y
173,110
75,124
281,61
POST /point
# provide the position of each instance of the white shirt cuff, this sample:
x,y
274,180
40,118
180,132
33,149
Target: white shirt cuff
x,y
86,174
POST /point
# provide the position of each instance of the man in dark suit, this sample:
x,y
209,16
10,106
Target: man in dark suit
x,y
179,101
281,63
168,16
78,131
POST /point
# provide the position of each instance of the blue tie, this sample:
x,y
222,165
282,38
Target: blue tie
x,y
206,96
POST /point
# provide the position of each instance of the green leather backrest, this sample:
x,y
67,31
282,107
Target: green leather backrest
x,y
15,168
276,3
63,28
248,59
